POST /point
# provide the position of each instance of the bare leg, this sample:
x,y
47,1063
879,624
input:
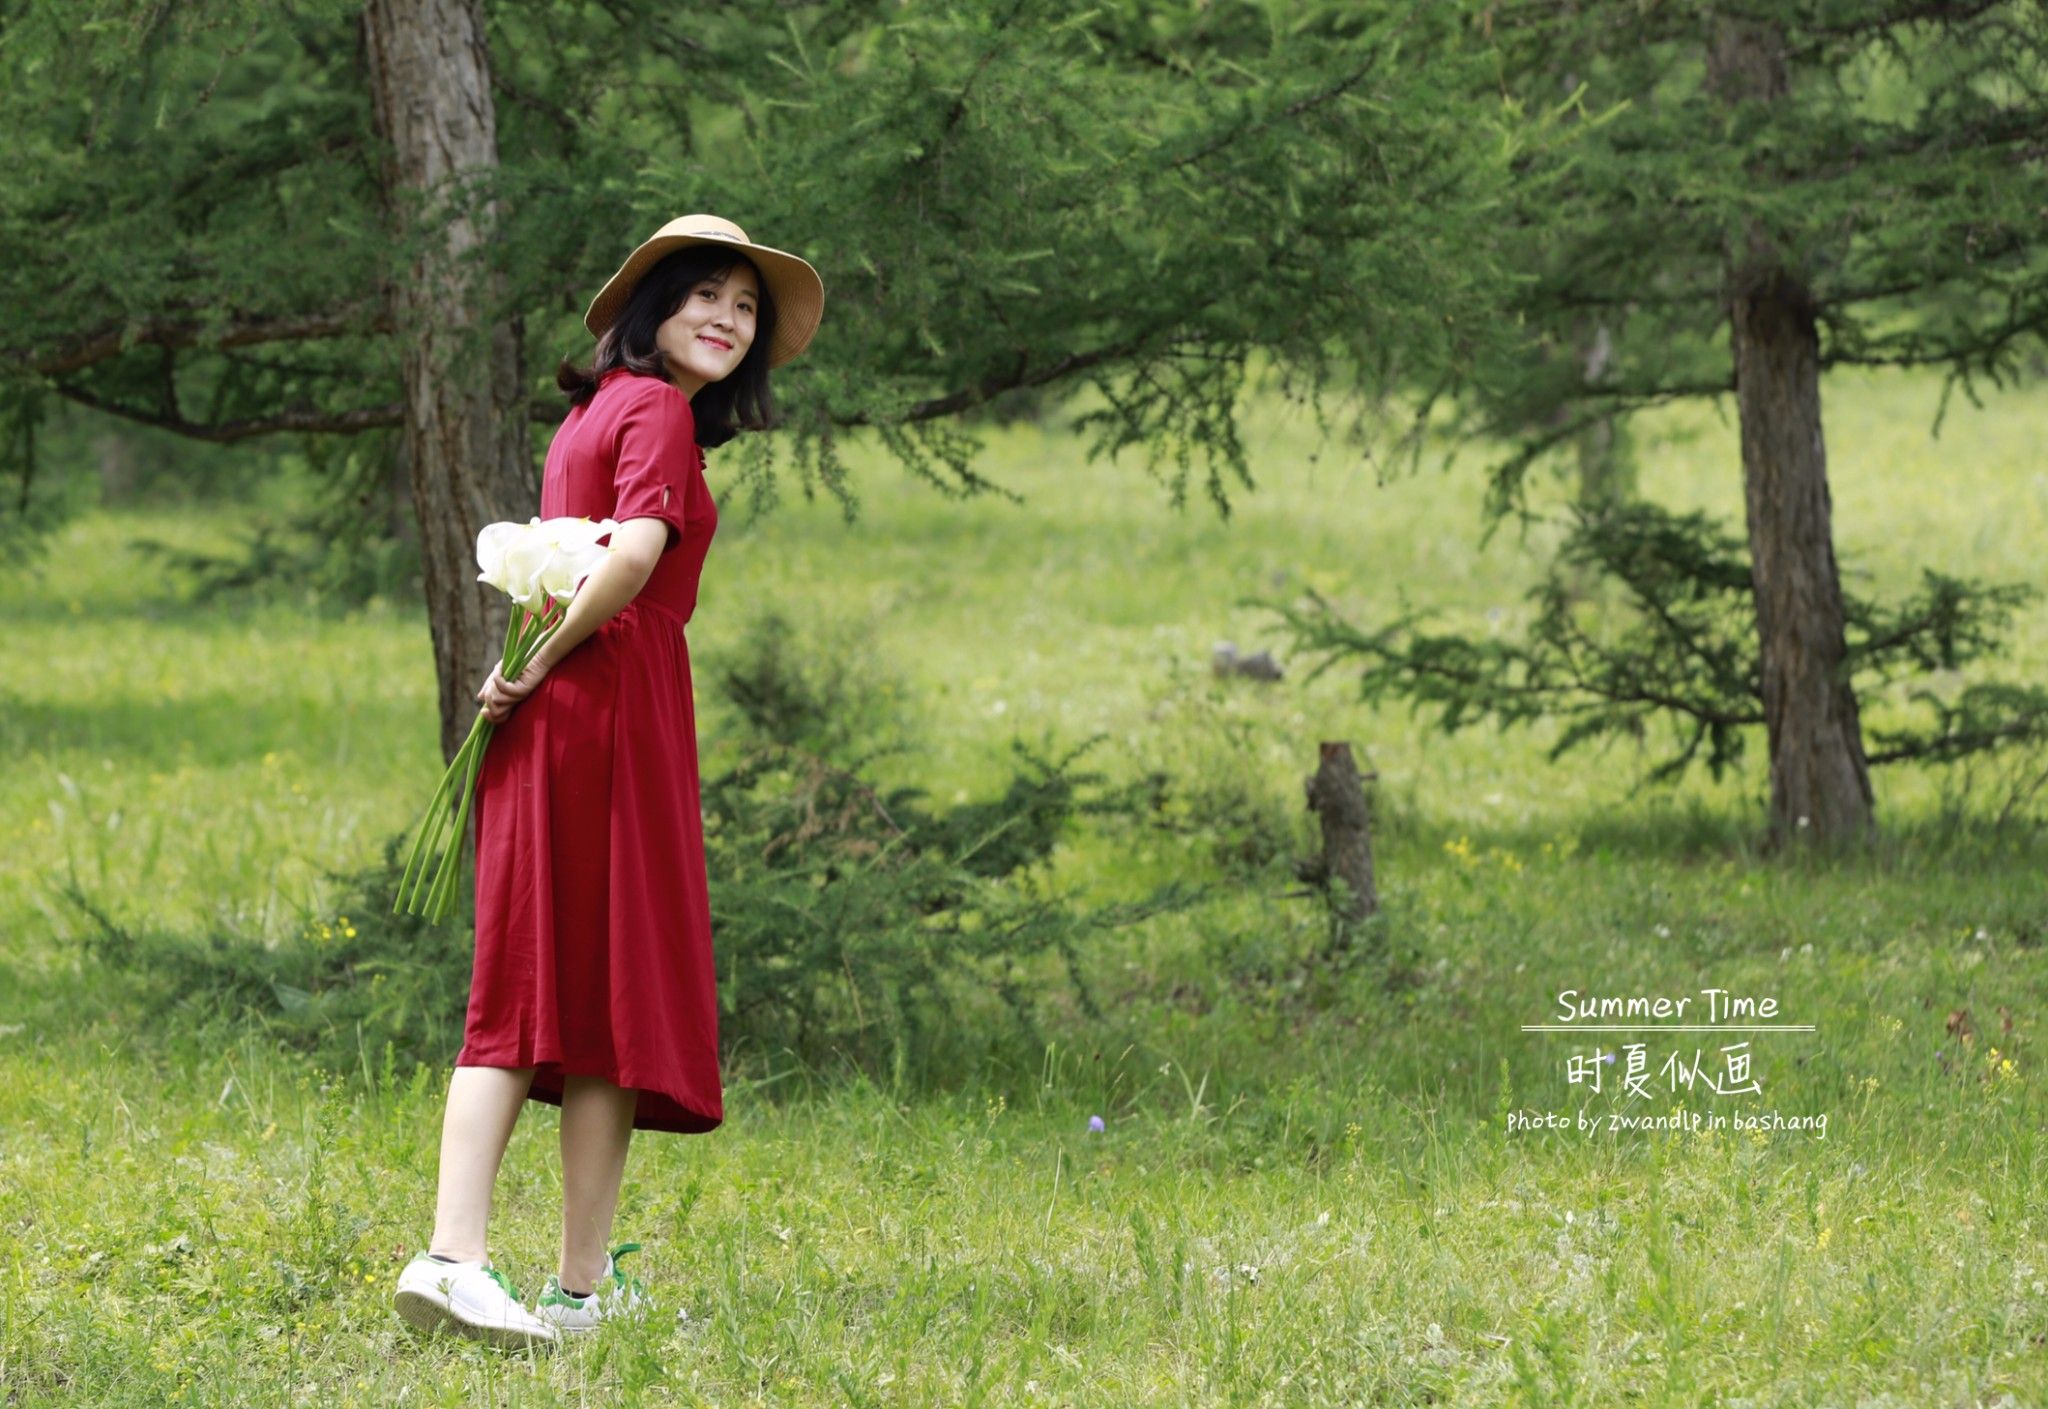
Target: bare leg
x,y
597,1126
483,1102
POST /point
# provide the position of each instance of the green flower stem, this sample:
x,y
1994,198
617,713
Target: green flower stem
x,y
516,646
539,629
428,883
426,844
423,850
451,858
513,626
446,846
419,841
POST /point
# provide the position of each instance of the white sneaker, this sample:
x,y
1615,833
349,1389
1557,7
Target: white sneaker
x,y
469,1299
615,1294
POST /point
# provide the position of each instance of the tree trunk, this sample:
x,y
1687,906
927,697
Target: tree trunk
x,y
1607,475
1820,781
1607,472
465,420
1336,794
115,453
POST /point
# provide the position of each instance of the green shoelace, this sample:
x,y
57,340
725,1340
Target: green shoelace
x,y
633,1283
555,1294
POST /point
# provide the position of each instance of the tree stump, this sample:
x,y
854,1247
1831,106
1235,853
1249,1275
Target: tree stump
x,y
1336,794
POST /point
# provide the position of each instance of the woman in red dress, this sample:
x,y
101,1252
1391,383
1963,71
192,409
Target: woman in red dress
x,y
593,987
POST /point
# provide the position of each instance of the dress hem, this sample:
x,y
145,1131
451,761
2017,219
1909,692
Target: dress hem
x,y
669,1114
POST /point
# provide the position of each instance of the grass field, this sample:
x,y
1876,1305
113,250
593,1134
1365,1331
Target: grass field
x,y
1308,1190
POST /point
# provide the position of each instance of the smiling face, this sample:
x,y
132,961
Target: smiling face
x,y
705,338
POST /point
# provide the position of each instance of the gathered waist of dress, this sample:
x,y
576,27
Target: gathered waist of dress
x,y
647,603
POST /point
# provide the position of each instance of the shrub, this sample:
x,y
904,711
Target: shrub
x,y
789,691
848,924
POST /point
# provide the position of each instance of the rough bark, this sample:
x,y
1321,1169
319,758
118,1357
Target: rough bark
x,y
1336,794
1820,779
465,407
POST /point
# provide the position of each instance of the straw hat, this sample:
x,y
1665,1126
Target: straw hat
x,y
798,292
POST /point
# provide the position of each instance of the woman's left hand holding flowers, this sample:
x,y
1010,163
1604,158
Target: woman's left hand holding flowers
x,y
498,695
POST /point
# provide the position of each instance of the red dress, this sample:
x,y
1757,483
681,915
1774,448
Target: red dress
x,y
593,920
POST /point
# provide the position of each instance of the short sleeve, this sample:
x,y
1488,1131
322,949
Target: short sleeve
x,y
656,459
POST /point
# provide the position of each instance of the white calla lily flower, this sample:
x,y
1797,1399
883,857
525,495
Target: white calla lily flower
x,y
541,558
492,544
525,561
573,532
566,568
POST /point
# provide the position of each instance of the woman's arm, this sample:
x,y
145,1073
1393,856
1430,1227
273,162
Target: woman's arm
x,y
636,548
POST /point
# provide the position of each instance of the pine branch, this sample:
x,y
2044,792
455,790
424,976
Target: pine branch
x,y
1685,651
223,432
1944,12
109,342
1018,377
1306,103
1984,717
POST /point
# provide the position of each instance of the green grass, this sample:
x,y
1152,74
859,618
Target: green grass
x,y
1305,1193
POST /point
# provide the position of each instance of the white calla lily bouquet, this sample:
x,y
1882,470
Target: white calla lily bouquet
x,y
537,564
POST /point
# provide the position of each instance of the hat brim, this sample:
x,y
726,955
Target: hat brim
x,y
798,292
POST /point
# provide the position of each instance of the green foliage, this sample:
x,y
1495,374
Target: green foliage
x,y
1008,204
860,923
791,692
342,986
319,1238
32,505
1218,789
1295,1195
1671,639
850,923
332,551
1898,181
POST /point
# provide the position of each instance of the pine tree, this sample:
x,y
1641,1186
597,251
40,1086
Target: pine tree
x,y
236,219
1762,192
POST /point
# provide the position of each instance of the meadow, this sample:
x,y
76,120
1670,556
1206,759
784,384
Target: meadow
x,y
1310,1187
